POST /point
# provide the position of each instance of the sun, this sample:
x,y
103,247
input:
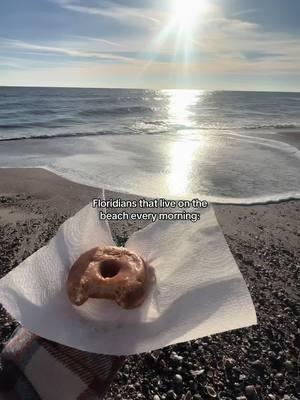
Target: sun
x,y
186,13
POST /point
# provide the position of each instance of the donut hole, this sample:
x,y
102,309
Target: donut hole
x,y
110,268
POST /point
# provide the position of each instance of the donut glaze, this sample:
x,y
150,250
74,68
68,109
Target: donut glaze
x,y
109,272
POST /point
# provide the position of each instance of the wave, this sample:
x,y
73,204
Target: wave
x,y
80,134
85,134
221,200
165,128
116,111
55,123
276,126
64,135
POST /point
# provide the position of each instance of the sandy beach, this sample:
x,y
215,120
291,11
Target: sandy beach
x,y
260,362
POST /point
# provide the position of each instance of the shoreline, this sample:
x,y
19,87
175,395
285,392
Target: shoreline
x,y
230,201
264,241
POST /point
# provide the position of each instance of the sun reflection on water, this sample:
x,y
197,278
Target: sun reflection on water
x,y
180,106
184,150
181,156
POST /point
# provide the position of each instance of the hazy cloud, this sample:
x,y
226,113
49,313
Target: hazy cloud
x,y
111,10
45,49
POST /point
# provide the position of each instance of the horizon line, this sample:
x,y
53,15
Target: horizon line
x,y
138,88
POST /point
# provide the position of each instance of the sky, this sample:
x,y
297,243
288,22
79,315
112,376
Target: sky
x,y
171,44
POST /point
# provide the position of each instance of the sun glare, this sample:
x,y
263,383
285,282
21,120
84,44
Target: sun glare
x,y
186,13
182,29
180,103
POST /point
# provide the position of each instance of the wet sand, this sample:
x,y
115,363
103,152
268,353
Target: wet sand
x,y
260,362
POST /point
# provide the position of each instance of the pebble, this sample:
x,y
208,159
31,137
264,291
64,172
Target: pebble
x,y
229,363
279,376
156,397
171,395
288,365
130,387
187,396
210,374
250,392
197,372
175,357
178,378
259,365
211,391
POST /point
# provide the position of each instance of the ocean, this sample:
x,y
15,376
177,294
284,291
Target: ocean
x,y
222,146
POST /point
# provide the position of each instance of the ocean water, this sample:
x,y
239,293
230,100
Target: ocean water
x,y
228,147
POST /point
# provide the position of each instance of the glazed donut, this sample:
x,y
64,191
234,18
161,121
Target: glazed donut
x,y
109,272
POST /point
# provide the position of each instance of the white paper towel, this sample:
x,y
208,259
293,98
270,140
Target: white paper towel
x,y
199,289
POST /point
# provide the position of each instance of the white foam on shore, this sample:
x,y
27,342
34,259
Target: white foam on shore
x,y
242,201
222,168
